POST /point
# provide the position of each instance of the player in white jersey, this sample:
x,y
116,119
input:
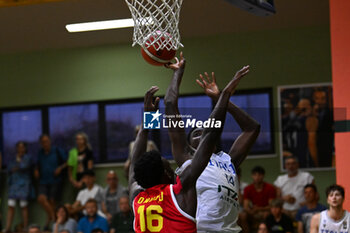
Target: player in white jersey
x,y
217,187
335,219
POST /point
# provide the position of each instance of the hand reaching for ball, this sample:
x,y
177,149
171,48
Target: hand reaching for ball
x,y
178,65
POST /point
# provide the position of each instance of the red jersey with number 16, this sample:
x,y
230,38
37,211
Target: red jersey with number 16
x,y
156,210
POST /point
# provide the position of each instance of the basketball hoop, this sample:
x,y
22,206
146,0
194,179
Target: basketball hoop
x,y
159,17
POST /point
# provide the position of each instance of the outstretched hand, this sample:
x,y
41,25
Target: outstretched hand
x,y
209,85
178,65
231,86
149,104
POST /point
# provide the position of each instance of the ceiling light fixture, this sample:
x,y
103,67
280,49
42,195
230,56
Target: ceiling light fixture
x,y
107,24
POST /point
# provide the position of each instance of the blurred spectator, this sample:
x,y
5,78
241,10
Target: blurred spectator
x,y
80,159
257,197
299,131
50,164
111,195
19,228
63,222
150,146
311,207
92,220
278,222
97,230
92,191
34,228
20,184
306,144
325,131
290,187
64,231
262,228
122,222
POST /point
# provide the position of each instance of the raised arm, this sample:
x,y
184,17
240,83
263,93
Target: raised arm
x,y
177,135
250,128
210,137
140,145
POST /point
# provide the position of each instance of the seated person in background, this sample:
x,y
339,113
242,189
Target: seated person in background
x,y
262,228
92,220
80,159
257,197
311,207
278,222
111,195
34,228
63,222
122,222
92,191
290,187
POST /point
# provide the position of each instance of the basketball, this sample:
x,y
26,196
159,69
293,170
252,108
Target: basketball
x,y
155,56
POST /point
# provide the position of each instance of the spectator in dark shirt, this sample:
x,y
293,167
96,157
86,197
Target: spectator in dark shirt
x,y
311,208
257,197
122,222
50,164
278,222
92,220
80,160
111,195
262,228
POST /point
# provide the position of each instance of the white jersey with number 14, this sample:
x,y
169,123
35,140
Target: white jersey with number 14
x,y
217,195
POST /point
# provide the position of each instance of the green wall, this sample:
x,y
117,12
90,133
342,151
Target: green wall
x,y
279,57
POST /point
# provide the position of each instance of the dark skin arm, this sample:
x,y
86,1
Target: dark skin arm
x,y
140,145
177,135
187,197
250,128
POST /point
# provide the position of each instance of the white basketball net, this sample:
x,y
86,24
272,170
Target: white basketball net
x,y
156,17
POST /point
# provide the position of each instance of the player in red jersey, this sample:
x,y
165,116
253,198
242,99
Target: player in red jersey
x,y
159,205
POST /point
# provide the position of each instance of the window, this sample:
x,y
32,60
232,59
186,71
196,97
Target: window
x,y
21,126
66,121
121,120
258,106
111,126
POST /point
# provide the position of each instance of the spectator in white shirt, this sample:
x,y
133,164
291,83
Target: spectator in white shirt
x,y
290,187
92,191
